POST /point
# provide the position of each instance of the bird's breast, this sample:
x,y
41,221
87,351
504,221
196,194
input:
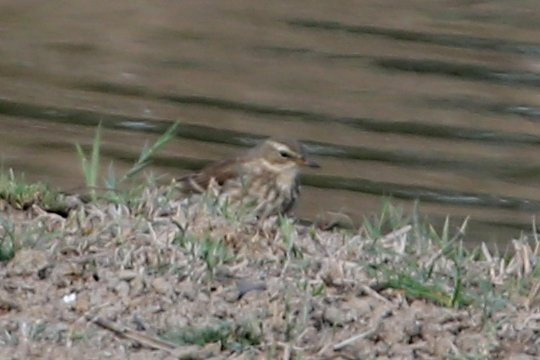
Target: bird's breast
x,y
285,180
269,190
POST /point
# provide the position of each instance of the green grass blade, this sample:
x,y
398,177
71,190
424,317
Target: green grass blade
x,y
84,162
94,159
148,152
91,167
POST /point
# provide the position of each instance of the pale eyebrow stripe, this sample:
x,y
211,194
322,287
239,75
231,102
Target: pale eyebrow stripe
x,y
280,147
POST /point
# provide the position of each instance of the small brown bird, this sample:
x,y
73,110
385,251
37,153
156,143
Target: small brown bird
x,y
265,177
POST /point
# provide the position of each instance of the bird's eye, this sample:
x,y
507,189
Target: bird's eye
x,y
284,154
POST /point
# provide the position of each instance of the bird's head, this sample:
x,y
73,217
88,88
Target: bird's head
x,y
284,154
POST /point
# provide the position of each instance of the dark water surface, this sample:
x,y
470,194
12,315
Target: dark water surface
x,y
431,100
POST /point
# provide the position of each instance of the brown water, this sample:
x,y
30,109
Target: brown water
x,y
429,100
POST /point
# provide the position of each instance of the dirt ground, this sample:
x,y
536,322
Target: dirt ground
x,y
159,279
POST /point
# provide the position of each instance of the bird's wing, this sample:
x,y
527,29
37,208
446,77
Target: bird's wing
x,y
220,172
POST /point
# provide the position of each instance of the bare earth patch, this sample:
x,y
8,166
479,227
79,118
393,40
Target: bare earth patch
x,y
163,279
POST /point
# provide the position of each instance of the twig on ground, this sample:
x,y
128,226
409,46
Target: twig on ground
x,y
129,334
354,338
375,294
186,352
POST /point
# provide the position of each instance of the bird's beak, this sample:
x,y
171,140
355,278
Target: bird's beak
x,y
309,163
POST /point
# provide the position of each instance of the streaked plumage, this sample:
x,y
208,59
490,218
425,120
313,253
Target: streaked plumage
x,y
266,177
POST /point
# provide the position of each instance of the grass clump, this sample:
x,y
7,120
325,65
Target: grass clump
x,y
212,251
199,336
236,337
419,261
21,194
114,185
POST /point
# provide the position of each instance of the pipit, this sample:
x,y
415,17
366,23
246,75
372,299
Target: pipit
x,y
265,178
